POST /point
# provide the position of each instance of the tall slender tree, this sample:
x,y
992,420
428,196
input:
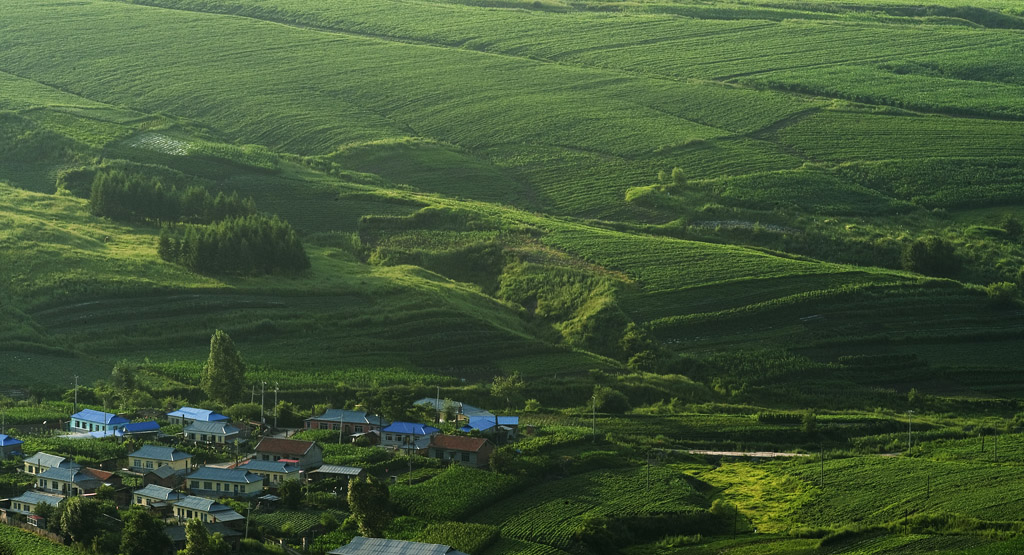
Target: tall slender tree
x,y
224,373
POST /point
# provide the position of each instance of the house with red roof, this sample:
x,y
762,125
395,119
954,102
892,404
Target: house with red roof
x,y
468,451
306,454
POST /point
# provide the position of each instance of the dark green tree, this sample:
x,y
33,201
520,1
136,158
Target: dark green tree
x,y
508,387
931,256
77,519
142,534
124,375
224,373
369,505
290,492
198,541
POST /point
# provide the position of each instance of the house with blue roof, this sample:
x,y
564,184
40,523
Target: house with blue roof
x,y
9,446
407,435
187,415
500,427
88,420
139,429
151,457
211,481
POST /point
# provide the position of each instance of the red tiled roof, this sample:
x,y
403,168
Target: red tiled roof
x,y
100,475
284,446
458,443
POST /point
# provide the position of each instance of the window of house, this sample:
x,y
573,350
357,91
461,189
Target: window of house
x,y
195,484
188,514
207,486
202,437
138,499
149,464
359,429
439,454
388,437
266,457
218,486
465,457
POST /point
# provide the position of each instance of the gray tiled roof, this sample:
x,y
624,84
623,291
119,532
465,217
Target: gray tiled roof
x,y
220,428
380,546
72,475
35,498
238,475
160,453
340,470
46,459
254,465
158,492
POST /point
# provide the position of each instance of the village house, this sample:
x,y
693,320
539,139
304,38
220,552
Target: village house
x,y
9,446
187,415
224,482
407,435
307,454
468,451
381,546
354,422
156,496
72,481
220,433
501,428
206,510
151,457
41,462
165,476
274,473
26,503
139,430
88,420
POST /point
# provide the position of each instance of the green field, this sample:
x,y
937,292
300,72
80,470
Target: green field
x,y
684,225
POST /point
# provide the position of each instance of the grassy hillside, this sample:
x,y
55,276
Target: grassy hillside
x,y
437,158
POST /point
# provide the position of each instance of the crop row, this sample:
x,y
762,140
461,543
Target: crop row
x,y
454,493
553,512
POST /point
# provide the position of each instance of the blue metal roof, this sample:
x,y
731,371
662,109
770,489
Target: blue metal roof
x,y
6,441
160,453
411,428
237,475
99,417
141,427
201,415
484,423
268,466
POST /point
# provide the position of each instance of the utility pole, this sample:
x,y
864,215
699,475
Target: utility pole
x,y
76,393
263,417
252,396
341,425
276,409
